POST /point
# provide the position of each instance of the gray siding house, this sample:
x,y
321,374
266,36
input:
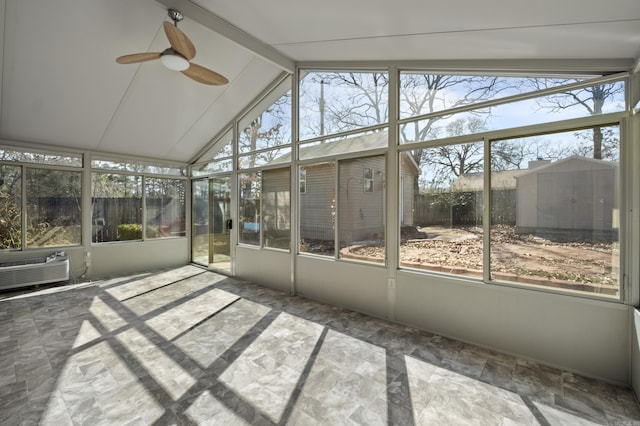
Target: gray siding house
x,y
360,198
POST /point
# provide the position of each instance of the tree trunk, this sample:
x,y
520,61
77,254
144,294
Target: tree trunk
x,y
597,143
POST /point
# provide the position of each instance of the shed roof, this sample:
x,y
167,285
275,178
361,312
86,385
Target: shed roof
x,y
573,161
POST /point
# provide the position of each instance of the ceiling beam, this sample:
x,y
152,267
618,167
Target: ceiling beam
x,y
231,32
502,66
636,63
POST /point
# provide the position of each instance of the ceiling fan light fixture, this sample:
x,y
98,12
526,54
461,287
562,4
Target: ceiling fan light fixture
x,y
174,61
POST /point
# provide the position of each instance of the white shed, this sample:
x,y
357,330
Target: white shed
x,y
569,197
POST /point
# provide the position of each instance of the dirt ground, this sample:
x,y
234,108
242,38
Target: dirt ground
x,y
514,257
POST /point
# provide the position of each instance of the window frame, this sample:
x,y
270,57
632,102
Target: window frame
x,y
76,165
177,172
610,119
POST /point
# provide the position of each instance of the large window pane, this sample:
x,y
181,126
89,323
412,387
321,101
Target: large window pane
x,y
217,166
222,148
218,158
117,207
268,125
249,186
361,209
441,209
200,221
318,209
577,103
53,208
10,207
40,157
276,208
558,195
263,158
165,206
344,145
334,102
422,93
138,166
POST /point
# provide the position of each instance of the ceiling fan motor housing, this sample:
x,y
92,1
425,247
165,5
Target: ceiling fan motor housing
x,y
175,15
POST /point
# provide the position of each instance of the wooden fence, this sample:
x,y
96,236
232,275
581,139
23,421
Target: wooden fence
x,y
463,208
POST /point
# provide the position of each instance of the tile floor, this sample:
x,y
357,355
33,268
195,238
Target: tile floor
x,y
187,346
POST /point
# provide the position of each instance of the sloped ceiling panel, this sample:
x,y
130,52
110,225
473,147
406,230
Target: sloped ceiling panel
x,y
60,83
607,40
414,29
161,106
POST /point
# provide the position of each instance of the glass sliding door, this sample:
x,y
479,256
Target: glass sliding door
x,y
211,241
220,216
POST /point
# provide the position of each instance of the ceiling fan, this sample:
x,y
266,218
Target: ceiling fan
x,y
178,56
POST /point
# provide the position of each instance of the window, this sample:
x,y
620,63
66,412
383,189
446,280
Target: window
x,y
357,214
40,157
117,207
200,232
165,207
424,93
53,208
553,190
276,208
147,167
368,179
10,207
318,209
303,180
337,102
136,200
441,210
558,220
264,134
50,214
218,158
464,105
361,213
342,145
249,186
265,208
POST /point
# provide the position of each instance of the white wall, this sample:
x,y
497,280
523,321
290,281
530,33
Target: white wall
x,y
362,288
577,334
270,268
132,256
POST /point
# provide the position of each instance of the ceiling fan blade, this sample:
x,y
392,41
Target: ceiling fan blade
x,y
204,75
138,57
179,41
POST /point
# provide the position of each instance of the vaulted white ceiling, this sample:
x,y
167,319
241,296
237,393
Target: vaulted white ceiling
x,y
61,85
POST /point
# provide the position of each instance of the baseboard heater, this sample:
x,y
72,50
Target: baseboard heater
x,y
28,272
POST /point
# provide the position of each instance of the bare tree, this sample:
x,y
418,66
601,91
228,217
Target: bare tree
x,y
270,128
338,102
592,98
420,94
456,160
